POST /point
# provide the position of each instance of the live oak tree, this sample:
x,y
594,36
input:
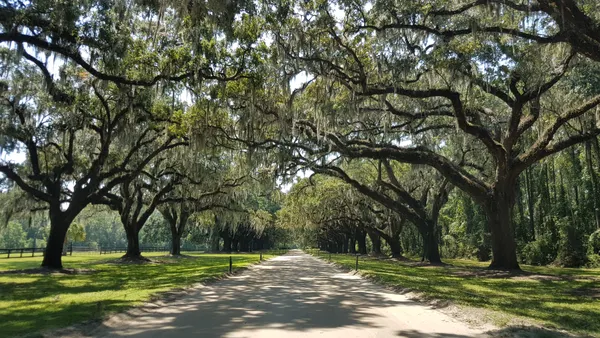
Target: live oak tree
x,y
486,94
137,43
333,215
417,198
558,21
249,221
80,48
326,209
73,139
383,75
136,199
212,190
156,172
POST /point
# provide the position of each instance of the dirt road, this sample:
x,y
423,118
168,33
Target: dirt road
x,y
295,295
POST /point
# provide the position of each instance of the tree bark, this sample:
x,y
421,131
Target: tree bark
x,y
214,241
375,242
133,242
499,215
226,241
175,244
395,246
431,250
59,225
361,238
178,224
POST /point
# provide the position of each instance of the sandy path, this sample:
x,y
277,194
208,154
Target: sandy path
x,y
290,296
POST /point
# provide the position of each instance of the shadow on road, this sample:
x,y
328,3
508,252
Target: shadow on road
x,y
294,293
419,334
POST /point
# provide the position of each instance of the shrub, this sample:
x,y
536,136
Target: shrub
x,y
571,246
542,251
483,248
594,242
449,247
593,261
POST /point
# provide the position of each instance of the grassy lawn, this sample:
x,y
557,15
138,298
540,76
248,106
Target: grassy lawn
x,y
555,297
33,302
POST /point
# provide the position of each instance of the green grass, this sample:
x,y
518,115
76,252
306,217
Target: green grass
x,y
555,297
30,303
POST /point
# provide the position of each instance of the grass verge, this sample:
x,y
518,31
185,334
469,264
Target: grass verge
x,y
557,298
33,302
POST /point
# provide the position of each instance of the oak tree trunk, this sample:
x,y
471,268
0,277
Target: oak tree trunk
x,y
214,241
226,241
177,230
395,246
375,242
59,225
175,244
361,238
431,250
244,244
133,242
499,217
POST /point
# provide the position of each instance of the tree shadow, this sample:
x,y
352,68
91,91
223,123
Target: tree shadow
x,y
41,301
419,334
565,299
291,295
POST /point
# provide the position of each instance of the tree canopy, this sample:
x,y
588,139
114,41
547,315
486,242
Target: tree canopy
x,y
443,127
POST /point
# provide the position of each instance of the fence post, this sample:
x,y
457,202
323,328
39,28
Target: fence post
x,y
8,253
330,256
356,262
71,249
261,256
33,252
230,265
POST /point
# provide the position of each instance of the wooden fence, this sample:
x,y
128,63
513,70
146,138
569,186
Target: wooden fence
x,y
33,252
21,252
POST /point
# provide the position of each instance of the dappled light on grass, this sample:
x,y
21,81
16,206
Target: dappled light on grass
x,y
32,302
551,296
